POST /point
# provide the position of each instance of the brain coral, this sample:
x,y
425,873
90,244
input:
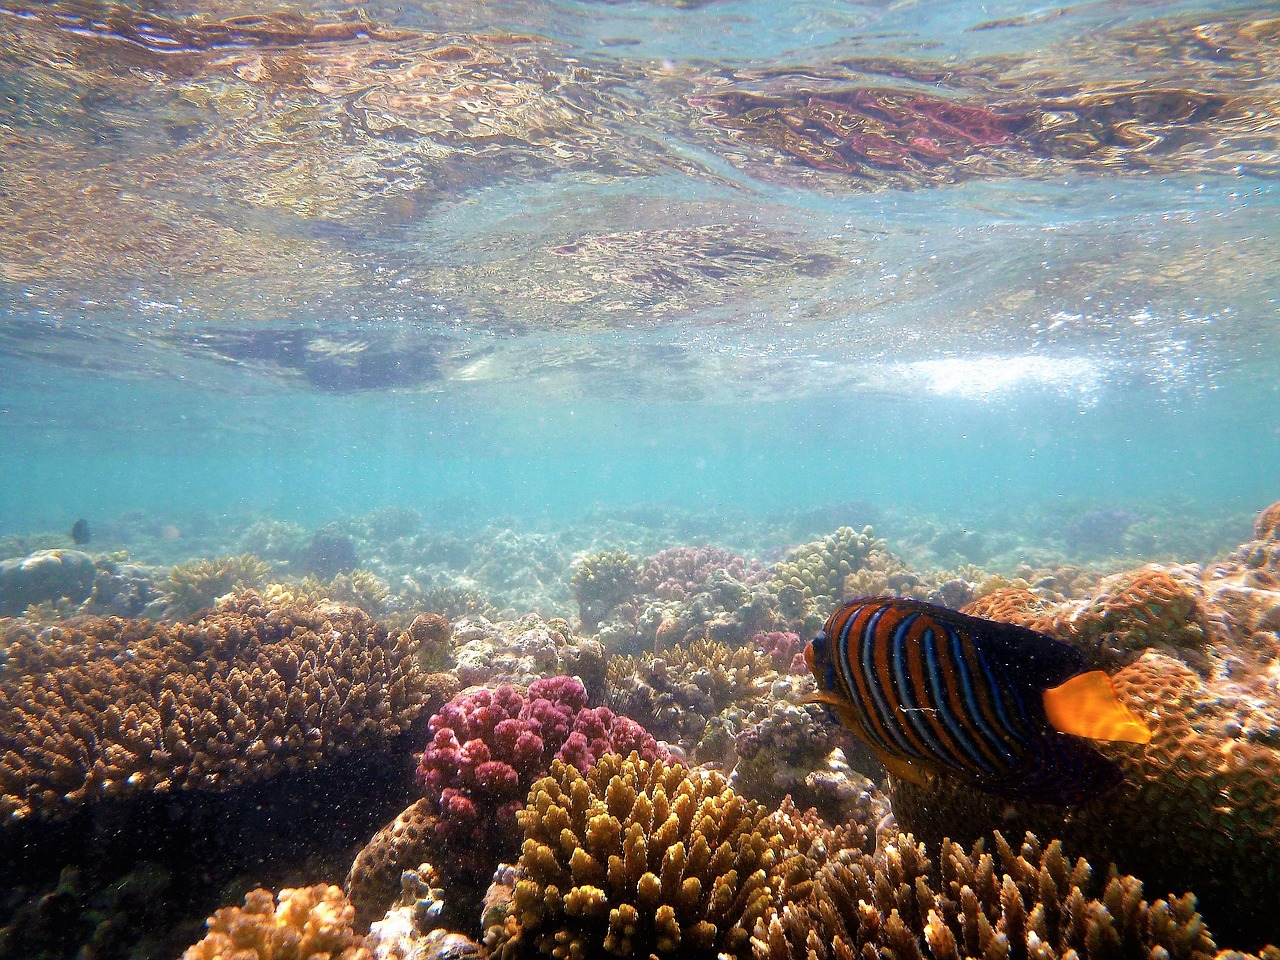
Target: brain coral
x,y
375,876
640,859
1032,904
309,923
111,707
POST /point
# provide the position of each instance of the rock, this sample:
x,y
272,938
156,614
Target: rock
x,y
45,576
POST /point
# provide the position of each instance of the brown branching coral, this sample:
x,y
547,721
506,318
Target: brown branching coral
x,y
308,923
641,859
1031,903
195,585
112,707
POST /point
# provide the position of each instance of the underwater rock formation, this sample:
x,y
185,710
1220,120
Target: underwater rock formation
x,y
108,708
640,859
307,923
45,576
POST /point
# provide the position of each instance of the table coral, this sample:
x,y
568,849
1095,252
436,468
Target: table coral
x,y
640,859
110,707
308,923
1032,902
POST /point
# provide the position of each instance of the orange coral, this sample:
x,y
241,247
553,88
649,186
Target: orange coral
x,y
1009,605
1267,526
113,707
310,923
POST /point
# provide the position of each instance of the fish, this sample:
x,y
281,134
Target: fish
x,y
1004,708
80,532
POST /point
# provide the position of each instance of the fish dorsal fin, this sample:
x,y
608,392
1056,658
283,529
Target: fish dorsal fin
x,y
1087,706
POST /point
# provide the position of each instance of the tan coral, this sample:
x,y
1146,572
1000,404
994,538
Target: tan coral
x,y
641,859
195,585
112,707
308,923
374,880
1267,526
1030,902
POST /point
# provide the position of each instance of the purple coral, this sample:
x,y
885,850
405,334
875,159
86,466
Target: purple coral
x,y
489,746
785,650
679,573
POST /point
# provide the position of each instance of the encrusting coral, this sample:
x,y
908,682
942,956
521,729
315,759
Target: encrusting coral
x,y
110,707
640,859
308,923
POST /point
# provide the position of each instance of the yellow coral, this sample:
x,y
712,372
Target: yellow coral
x,y
641,859
195,585
308,923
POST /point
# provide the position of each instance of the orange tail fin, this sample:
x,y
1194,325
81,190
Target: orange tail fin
x,y
1087,706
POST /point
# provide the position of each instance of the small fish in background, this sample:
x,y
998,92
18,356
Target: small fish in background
x,y
80,532
1004,708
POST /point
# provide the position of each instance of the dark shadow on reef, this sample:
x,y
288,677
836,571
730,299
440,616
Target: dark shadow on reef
x,y
137,877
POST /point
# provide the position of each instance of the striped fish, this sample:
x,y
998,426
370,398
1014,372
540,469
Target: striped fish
x,y
1004,708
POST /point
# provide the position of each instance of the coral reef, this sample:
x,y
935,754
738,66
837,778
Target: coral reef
x,y
112,707
410,930
604,581
46,575
196,585
809,580
521,651
640,859
1033,902
1267,526
375,876
674,694
678,572
488,746
329,554
307,923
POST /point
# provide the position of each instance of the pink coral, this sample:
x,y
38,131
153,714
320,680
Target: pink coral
x,y
785,650
489,746
679,573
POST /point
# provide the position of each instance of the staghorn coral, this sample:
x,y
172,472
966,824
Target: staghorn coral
x,y
196,585
307,923
640,859
1033,902
107,708
488,746
602,582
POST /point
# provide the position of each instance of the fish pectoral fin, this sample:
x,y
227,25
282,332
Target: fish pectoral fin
x,y
1087,706
912,771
